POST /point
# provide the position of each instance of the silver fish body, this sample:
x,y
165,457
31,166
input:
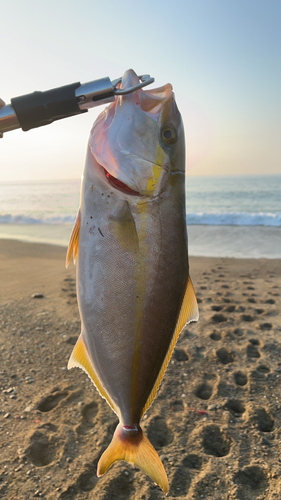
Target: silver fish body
x,y
134,290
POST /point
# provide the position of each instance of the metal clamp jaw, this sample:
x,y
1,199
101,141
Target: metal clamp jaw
x,y
41,108
104,91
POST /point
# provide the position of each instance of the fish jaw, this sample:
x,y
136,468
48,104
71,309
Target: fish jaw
x,y
125,138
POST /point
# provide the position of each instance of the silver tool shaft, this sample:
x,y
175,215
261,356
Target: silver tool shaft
x,y
42,108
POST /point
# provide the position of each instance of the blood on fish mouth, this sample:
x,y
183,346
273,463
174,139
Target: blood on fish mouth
x,y
120,185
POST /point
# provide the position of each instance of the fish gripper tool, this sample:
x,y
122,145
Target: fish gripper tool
x,y
41,108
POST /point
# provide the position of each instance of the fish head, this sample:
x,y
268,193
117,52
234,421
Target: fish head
x,y
138,141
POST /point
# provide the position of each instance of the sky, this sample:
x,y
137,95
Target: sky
x,y
223,58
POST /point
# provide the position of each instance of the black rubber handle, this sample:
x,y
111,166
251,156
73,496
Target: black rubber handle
x,y
41,108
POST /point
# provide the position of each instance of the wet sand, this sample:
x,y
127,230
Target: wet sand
x,y
204,241
215,421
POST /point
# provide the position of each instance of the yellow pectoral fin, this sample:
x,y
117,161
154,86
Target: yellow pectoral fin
x,y
80,358
74,241
134,447
189,312
122,227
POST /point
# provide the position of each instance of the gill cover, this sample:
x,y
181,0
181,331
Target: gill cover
x,y
125,139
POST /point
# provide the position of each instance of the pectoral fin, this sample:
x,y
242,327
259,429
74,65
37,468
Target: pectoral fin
x,y
189,312
122,227
74,241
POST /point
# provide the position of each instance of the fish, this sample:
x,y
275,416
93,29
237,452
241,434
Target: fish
x,y
129,243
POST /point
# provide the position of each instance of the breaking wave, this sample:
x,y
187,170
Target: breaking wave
x,y
24,219
234,219
208,219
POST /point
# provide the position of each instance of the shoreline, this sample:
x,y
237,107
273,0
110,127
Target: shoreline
x,y
204,241
27,265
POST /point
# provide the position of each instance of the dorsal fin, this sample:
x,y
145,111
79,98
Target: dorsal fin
x,y
188,313
74,241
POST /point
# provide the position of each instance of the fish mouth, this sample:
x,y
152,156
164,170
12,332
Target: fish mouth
x,y
119,185
126,142
149,100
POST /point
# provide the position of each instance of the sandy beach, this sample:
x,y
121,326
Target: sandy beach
x,y
215,421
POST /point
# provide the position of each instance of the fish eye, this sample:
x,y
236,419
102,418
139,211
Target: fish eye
x,y
168,134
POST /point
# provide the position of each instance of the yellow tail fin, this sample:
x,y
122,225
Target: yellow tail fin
x,y
130,444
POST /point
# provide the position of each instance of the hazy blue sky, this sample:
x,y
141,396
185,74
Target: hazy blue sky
x,y
223,58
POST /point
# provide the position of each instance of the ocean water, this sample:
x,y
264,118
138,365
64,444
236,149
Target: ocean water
x,y
250,205
234,200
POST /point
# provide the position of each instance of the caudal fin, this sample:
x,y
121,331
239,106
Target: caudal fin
x,y
130,444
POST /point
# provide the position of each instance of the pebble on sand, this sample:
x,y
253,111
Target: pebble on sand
x,y
37,296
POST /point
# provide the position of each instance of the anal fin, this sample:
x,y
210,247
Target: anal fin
x,y
80,358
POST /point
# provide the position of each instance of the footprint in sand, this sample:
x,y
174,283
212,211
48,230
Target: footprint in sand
x,y
226,300
204,391
215,442
181,481
219,318
264,420
224,389
182,478
231,308
240,378
180,355
252,300
86,481
215,335
265,326
254,478
69,288
247,318
235,406
177,405
259,310
122,482
269,301
43,446
159,433
51,401
225,356
216,308
262,371
252,350
89,413
239,332
72,340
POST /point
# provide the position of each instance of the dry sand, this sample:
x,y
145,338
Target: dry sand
x,y
216,419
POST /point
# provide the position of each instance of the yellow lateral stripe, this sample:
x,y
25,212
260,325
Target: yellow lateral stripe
x,y
152,181
140,280
74,240
156,171
80,358
189,312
